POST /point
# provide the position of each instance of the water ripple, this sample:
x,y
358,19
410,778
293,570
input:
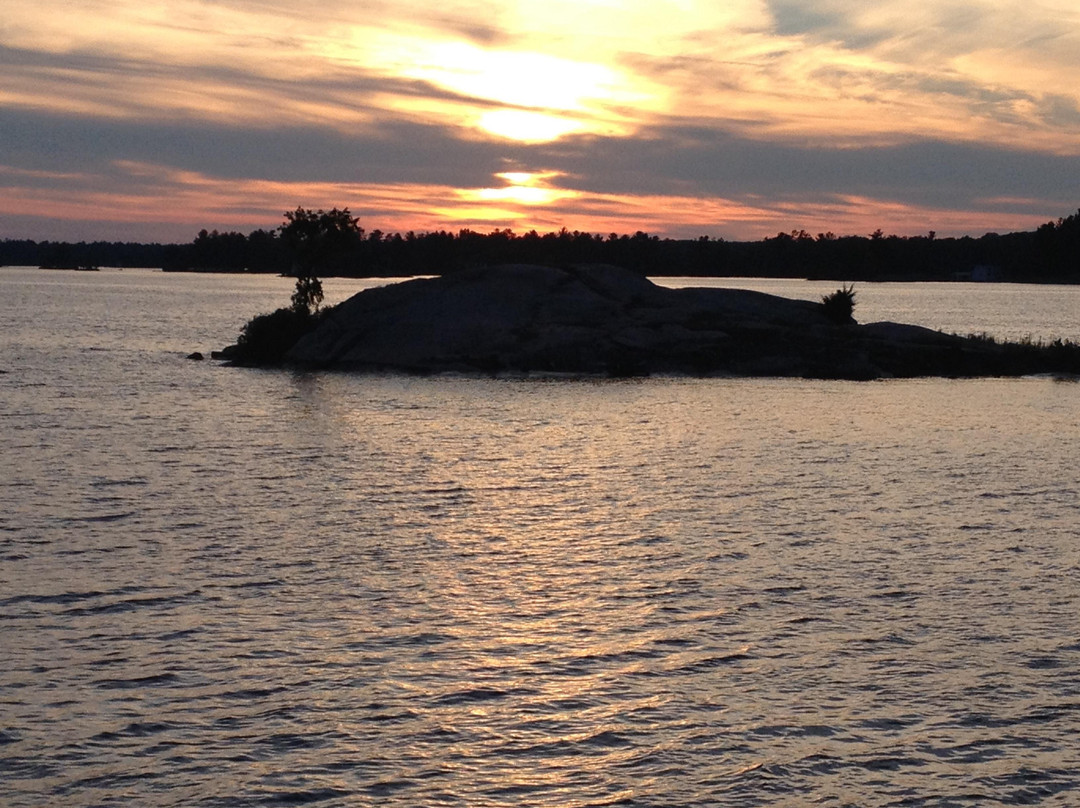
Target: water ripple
x,y
292,589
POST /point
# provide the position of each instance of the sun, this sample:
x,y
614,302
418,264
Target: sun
x,y
526,126
518,95
516,78
527,188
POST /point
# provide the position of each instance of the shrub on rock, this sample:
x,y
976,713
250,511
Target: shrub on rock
x,y
268,337
840,304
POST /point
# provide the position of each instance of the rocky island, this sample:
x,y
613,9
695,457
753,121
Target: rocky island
x,y
603,320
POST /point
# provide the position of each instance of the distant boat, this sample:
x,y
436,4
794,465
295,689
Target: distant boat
x,y
72,267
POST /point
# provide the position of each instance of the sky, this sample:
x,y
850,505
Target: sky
x,y
142,120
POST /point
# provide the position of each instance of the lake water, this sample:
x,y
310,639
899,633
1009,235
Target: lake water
x,y
225,587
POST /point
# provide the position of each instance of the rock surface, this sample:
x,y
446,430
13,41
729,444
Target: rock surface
x,y
609,321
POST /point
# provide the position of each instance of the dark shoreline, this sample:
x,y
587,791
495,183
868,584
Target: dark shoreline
x,y
1049,254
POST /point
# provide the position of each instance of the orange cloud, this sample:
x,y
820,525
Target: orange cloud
x,y
523,201
517,81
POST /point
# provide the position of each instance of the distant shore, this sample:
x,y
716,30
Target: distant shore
x,y
1050,254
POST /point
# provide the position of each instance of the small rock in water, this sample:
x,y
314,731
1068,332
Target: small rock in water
x,y
229,352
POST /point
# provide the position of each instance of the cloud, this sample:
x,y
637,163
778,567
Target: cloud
x,y
843,70
676,180
706,163
669,113
914,30
395,151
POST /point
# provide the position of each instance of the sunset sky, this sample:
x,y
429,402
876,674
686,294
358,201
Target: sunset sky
x,y
125,120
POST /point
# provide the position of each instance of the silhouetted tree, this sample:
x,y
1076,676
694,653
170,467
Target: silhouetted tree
x,y
317,241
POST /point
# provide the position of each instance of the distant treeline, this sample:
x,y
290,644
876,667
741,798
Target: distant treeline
x,y
1049,254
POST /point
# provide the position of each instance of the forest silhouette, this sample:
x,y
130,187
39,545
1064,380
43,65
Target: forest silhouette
x,y
1049,254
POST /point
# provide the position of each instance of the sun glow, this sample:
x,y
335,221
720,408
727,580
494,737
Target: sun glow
x,y
522,188
527,127
525,96
533,80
